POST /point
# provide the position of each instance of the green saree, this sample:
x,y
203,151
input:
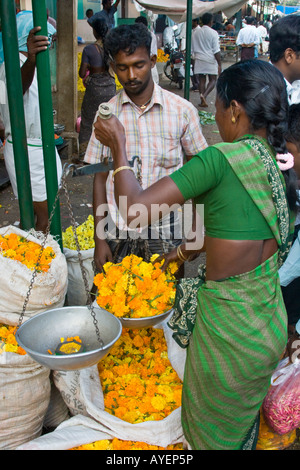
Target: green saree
x,y
240,328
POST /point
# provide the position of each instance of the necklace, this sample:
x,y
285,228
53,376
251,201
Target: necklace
x,y
144,106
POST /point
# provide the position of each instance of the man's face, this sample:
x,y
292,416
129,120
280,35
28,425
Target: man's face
x,y
134,70
107,5
296,67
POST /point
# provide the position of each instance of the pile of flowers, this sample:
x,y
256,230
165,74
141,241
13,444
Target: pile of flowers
x,y
268,439
135,288
8,341
20,249
80,85
161,56
85,235
138,381
118,444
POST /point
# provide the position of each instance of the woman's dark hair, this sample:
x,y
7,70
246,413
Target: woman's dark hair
x,y
128,38
260,88
100,27
293,133
284,34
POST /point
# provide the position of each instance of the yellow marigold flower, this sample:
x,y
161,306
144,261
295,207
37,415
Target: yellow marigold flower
x,y
8,341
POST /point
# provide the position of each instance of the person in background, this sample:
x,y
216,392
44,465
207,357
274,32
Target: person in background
x,y
51,20
100,82
153,51
248,38
162,129
194,77
289,273
30,44
240,329
285,52
263,33
205,49
285,56
89,13
229,28
108,13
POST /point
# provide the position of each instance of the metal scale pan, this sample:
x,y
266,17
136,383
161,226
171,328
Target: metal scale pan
x,y
43,332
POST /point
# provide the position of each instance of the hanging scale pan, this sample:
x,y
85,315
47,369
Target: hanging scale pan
x,y
48,337
44,336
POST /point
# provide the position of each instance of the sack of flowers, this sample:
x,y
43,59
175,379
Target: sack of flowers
x,y
24,393
19,253
76,294
135,391
82,433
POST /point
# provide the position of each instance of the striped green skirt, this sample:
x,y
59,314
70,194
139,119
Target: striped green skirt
x,y
239,335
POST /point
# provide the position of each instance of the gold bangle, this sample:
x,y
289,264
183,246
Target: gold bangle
x,y
122,168
181,255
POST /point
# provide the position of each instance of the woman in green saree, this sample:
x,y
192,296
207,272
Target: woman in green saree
x,y
240,330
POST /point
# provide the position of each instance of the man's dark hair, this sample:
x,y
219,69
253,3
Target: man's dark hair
x,y
141,19
284,34
207,18
250,20
127,37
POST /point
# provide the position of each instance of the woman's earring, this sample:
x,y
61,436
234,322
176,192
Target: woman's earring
x,y
233,120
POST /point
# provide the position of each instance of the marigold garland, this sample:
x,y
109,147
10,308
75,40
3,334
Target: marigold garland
x,y
20,249
135,288
138,381
118,444
8,341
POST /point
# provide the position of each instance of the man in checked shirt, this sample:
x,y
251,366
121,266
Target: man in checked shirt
x,y
161,128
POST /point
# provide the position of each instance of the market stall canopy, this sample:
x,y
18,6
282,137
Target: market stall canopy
x,y
177,9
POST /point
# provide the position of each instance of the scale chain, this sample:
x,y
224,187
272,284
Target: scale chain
x,y
63,186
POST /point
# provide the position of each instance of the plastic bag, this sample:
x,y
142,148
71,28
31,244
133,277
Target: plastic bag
x,y
281,405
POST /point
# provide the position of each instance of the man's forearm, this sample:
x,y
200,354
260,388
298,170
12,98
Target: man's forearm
x,y
27,74
99,205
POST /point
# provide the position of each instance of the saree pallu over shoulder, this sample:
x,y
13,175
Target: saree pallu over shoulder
x,y
239,335
253,161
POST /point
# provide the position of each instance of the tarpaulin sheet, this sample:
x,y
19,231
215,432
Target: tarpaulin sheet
x,y
177,9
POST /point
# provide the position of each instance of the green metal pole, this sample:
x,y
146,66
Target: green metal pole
x,y
16,111
189,15
46,112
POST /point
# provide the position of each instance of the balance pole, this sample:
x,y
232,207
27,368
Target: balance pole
x,y
47,126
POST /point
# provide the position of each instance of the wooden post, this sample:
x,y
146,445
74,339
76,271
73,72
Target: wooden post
x,y
67,67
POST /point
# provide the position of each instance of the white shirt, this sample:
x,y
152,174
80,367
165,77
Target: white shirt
x,y
205,44
262,31
31,106
248,35
293,91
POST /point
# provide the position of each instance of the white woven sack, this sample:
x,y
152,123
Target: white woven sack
x,y
82,393
76,293
57,411
24,398
49,288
